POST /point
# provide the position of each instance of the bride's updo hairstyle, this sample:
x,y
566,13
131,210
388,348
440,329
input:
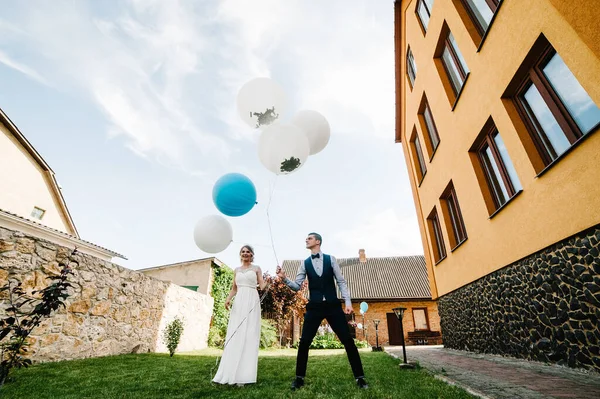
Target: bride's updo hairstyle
x,y
249,248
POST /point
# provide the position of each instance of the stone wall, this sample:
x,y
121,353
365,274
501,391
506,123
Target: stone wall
x,y
111,310
545,307
194,309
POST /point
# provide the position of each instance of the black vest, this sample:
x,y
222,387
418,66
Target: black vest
x,y
322,286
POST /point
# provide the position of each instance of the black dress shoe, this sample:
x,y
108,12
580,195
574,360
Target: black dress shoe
x,y
297,383
361,383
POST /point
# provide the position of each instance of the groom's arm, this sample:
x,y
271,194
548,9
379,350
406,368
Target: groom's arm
x,y
341,282
300,277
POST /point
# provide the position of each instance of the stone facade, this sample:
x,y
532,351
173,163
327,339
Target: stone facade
x,y
545,307
111,310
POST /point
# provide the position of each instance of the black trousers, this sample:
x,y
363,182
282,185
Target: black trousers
x,y
337,320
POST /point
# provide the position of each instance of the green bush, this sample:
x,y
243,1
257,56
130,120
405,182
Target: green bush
x,y
216,338
361,344
172,335
268,334
326,341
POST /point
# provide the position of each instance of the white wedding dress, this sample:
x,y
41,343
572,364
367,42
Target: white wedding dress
x,y
239,362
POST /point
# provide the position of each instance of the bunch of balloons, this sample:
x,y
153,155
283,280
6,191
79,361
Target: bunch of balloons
x,y
283,148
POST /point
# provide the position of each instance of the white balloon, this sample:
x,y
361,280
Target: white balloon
x,y
213,234
261,101
283,148
316,127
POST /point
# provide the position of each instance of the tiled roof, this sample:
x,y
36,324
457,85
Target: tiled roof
x,y
398,277
62,233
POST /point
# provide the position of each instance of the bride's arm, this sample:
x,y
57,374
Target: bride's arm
x,y
232,292
261,281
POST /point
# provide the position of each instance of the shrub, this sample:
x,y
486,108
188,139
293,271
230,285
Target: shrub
x,y
268,334
172,335
25,312
361,344
216,338
326,341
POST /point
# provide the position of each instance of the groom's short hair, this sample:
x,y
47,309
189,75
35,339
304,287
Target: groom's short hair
x,y
317,237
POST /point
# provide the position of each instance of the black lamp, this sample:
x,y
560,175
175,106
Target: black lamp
x,y
399,312
376,348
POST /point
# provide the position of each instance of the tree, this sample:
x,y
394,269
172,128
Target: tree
x,y
280,303
25,312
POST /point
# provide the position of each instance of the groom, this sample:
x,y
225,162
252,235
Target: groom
x,y
321,269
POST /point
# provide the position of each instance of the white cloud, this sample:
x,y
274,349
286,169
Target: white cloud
x,y
24,69
382,233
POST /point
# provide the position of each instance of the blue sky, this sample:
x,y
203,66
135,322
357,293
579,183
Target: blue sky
x,y
132,103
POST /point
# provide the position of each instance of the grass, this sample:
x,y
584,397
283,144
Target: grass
x,y
189,375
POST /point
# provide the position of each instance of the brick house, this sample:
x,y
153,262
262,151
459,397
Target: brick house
x,y
385,283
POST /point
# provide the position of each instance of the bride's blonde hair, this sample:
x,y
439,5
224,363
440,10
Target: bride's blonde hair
x,y
249,248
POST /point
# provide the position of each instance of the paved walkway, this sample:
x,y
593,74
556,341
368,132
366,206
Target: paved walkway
x,y
490,376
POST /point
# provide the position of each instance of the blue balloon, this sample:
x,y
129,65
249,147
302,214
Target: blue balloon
x,y
364,307
234,194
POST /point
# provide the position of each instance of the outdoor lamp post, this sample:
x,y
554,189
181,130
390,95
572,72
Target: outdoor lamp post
x,y
376,348
399,314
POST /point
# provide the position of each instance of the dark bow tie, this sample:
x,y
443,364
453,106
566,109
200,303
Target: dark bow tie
x,y
316,256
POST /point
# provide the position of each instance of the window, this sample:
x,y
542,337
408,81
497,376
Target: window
x,y
37,213
437,240
420,319
556,109
424,12
481,12
411,67
500,174
428,127
418,156
453,217
454,64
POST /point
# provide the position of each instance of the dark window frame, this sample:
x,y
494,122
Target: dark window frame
x,y
493,4
456,226
531,73
436,236
417,152
423,27
487,140
459,66
432,134
411,67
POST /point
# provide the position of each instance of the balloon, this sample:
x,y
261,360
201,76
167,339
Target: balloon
x,y
213,234
283,148
316,127
364,307
234,194
260,102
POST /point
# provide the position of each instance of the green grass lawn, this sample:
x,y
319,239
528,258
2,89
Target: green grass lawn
x,y
189,375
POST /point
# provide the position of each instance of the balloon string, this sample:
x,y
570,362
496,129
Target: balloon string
x,y
269,220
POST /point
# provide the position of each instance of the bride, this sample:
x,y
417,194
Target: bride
x,y
239,362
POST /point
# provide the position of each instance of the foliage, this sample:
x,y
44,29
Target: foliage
x,y
222,281
25,312
326,341
361,344
215,337
280,303
268,334
172,335
154,376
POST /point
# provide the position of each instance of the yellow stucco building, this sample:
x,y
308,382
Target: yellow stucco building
x,y
497,112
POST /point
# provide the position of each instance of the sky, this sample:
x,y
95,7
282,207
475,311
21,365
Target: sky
x,y
133,105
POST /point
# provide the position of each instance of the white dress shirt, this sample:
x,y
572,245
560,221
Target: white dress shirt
x,y
317,264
